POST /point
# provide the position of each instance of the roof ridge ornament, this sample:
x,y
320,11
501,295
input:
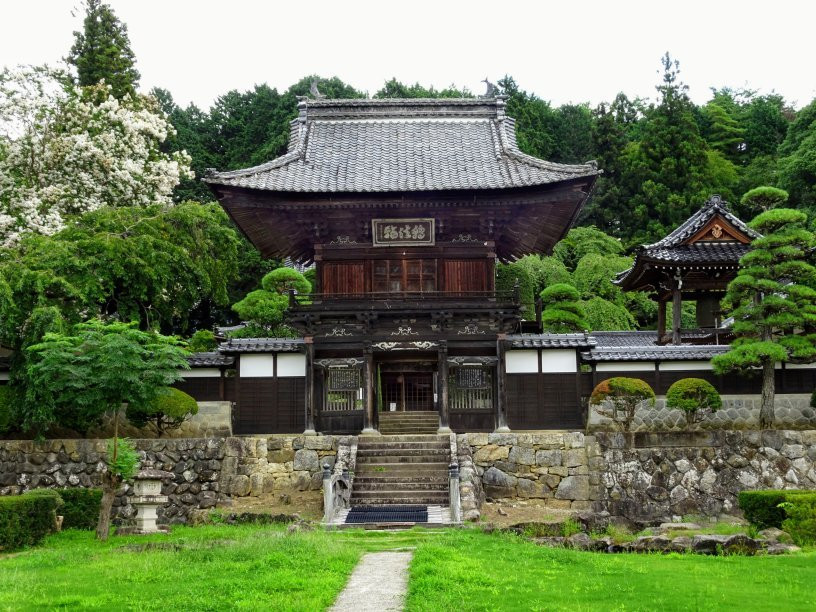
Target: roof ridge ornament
x,y
492,90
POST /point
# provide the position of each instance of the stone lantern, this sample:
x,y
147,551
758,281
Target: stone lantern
x,y
147,498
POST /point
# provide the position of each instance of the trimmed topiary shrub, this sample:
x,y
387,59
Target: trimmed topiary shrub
x,y
696,397
506,277
202,341
762,508
26,519
800,521
624,395
80,509
562,311
166,412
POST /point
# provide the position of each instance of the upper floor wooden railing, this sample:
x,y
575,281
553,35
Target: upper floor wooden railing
x,y
429,298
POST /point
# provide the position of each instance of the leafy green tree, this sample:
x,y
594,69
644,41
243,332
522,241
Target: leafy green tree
x,y
123,461
695,397
773,301
165,412
562,310
724,133
573,134
202,341
264,309
761,199
535,120
544,271
154,265
396,89
73,380
582,241
594,274
512,274
797,166
603,315
101,51
669,166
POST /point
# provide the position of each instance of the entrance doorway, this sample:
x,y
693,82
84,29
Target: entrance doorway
x,y
408,391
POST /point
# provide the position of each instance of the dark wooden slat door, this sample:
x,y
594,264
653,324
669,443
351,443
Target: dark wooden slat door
x,y
344,277
463,275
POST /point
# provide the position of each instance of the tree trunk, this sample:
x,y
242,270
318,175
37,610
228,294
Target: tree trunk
x,y
766,412
110,484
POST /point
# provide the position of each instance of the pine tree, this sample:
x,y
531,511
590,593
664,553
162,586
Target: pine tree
x,y
102,51
669,167
773,301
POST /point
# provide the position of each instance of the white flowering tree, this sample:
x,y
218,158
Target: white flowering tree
x,y
66,150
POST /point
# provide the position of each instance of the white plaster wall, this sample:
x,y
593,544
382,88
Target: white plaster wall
x,y
558,360
676,366
257,366
201,373
626,366
291,364
4,375
521,362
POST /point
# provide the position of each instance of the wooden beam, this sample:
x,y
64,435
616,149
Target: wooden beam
x,y
677,311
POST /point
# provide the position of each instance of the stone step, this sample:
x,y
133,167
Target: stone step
x,y
399,486
402,413
385,469
396,431
400,478
365,440
402,497
426,445
397,458
399,450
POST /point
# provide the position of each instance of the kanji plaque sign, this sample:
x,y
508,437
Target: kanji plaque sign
x,y
403,232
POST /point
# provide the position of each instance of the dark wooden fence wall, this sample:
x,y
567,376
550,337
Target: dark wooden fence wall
x,y
544,401
270,405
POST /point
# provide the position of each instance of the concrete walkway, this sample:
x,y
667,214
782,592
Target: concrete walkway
x,y
379,582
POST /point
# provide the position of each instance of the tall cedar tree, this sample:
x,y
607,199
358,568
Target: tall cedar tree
x,y
773,301
102,51
669,166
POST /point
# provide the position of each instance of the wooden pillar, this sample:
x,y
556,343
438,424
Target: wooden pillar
x,y
677,311
442,389
661,320
368,393
309,393
501,387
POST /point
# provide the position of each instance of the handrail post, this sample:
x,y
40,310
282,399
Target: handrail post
x,y
328,494
453,488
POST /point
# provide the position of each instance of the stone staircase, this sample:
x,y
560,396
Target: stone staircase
x,y
409,422
402,469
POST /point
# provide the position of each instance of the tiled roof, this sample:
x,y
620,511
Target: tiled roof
x,y
261,345
605,339
209,360
550,341
714,206
681,352
703,252
672,250
401,145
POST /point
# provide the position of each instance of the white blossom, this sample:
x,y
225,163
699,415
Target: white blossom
x,y
66,150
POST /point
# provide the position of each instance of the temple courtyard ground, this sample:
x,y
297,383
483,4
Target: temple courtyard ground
x,y
219,567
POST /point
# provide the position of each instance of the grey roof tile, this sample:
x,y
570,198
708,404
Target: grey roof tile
x,y
401,145
261,345
551,341
209,360
681,352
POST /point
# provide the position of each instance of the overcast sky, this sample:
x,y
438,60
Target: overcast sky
x,y
583,51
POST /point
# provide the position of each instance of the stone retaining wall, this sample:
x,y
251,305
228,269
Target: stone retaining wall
x,y
206,470
792,411
644,477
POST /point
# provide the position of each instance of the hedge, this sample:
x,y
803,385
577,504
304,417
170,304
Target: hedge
x,y
81,508
26,519
761,508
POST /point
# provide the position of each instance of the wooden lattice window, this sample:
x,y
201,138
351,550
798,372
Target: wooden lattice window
x,y
470,388
398,275
343,389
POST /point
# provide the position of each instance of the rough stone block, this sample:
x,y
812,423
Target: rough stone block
x,y
306,460
239,486
559,470
548,458
575,457
475,439
523,455
573,488
491,453
318,442
507,439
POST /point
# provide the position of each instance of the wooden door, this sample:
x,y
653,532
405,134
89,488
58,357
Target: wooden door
x,y
466,275
407,391
344,277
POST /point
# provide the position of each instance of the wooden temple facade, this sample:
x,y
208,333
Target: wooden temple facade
x,y
404,207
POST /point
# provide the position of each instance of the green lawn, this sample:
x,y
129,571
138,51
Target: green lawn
x,y
223,567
